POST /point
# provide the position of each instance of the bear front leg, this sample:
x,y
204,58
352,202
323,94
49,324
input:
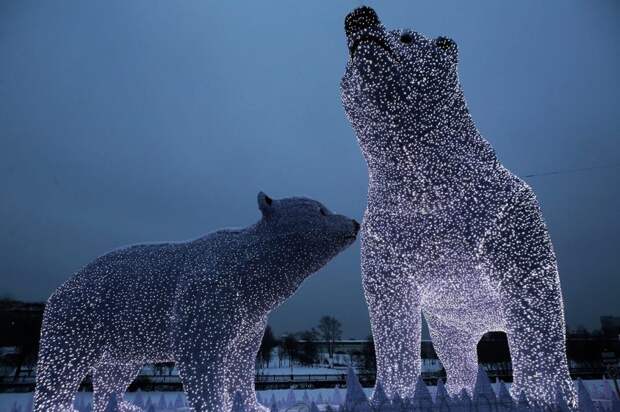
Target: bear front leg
x,y
394,308
202,368
242,364
457,352
203,328
522,256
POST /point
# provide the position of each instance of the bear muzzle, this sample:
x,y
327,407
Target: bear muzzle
x,y
360,19
363,25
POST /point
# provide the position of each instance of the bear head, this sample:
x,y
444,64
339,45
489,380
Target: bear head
x,y
308,234
397,83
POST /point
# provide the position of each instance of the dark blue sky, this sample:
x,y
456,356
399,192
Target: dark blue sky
x,y
124,122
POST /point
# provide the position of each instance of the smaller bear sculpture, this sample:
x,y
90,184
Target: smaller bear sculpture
x,y
202,304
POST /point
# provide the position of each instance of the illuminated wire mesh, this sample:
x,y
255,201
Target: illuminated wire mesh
x,y
448,231
202,304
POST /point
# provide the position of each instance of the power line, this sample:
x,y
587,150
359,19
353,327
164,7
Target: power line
x,y
567,171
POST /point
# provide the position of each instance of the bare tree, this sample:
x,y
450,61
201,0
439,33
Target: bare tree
x,y
369,357
309,353
290,344
266,347
331,331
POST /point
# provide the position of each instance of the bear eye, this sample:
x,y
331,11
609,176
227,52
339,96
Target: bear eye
x,y
406,38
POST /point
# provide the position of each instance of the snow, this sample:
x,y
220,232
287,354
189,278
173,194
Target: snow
x,y
601,391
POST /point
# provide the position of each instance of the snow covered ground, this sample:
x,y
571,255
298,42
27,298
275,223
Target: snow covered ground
x,y
169,401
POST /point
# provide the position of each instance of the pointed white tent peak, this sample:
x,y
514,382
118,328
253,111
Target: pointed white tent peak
x,y
305,398
319,399
441,393
496,386
336,398
379,398
397,401
585,400
148,402
421,396
421,390
161,404
483,389
79,402
290,398
274,406
30,405
610,392
465,399
615,404
178,401
112,404
355,398
503,394
560,401
313,407
237,405
522,403
138,399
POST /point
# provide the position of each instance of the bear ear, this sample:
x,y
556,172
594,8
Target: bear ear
x,y
264,203
448,46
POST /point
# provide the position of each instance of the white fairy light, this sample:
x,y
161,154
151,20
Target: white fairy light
x,y
202,304
448,231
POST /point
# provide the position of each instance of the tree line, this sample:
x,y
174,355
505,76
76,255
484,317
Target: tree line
x,y
313,347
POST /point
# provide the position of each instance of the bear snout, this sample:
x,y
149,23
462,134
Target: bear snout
x,y
359,19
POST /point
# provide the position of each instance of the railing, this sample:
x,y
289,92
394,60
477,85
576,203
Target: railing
x,y
25,381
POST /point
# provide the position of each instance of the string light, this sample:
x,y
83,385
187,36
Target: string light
x,y
448,231
202,304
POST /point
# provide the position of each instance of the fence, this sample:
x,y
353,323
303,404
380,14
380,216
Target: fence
x,y
148,380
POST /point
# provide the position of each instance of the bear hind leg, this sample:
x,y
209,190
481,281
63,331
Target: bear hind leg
x,y
536,337
521,253
112,380
456,350
59,374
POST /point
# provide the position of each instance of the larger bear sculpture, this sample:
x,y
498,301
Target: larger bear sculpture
x,y
202,304
448,231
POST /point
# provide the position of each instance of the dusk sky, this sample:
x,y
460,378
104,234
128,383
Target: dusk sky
x,y
136,121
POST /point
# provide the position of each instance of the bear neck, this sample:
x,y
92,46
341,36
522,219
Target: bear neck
x,y
279,268
427,150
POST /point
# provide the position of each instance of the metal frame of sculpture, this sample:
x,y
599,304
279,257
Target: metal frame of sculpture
x,y
448,231
202,303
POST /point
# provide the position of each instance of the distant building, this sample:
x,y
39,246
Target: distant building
x,y
610,325
20,328
20,322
